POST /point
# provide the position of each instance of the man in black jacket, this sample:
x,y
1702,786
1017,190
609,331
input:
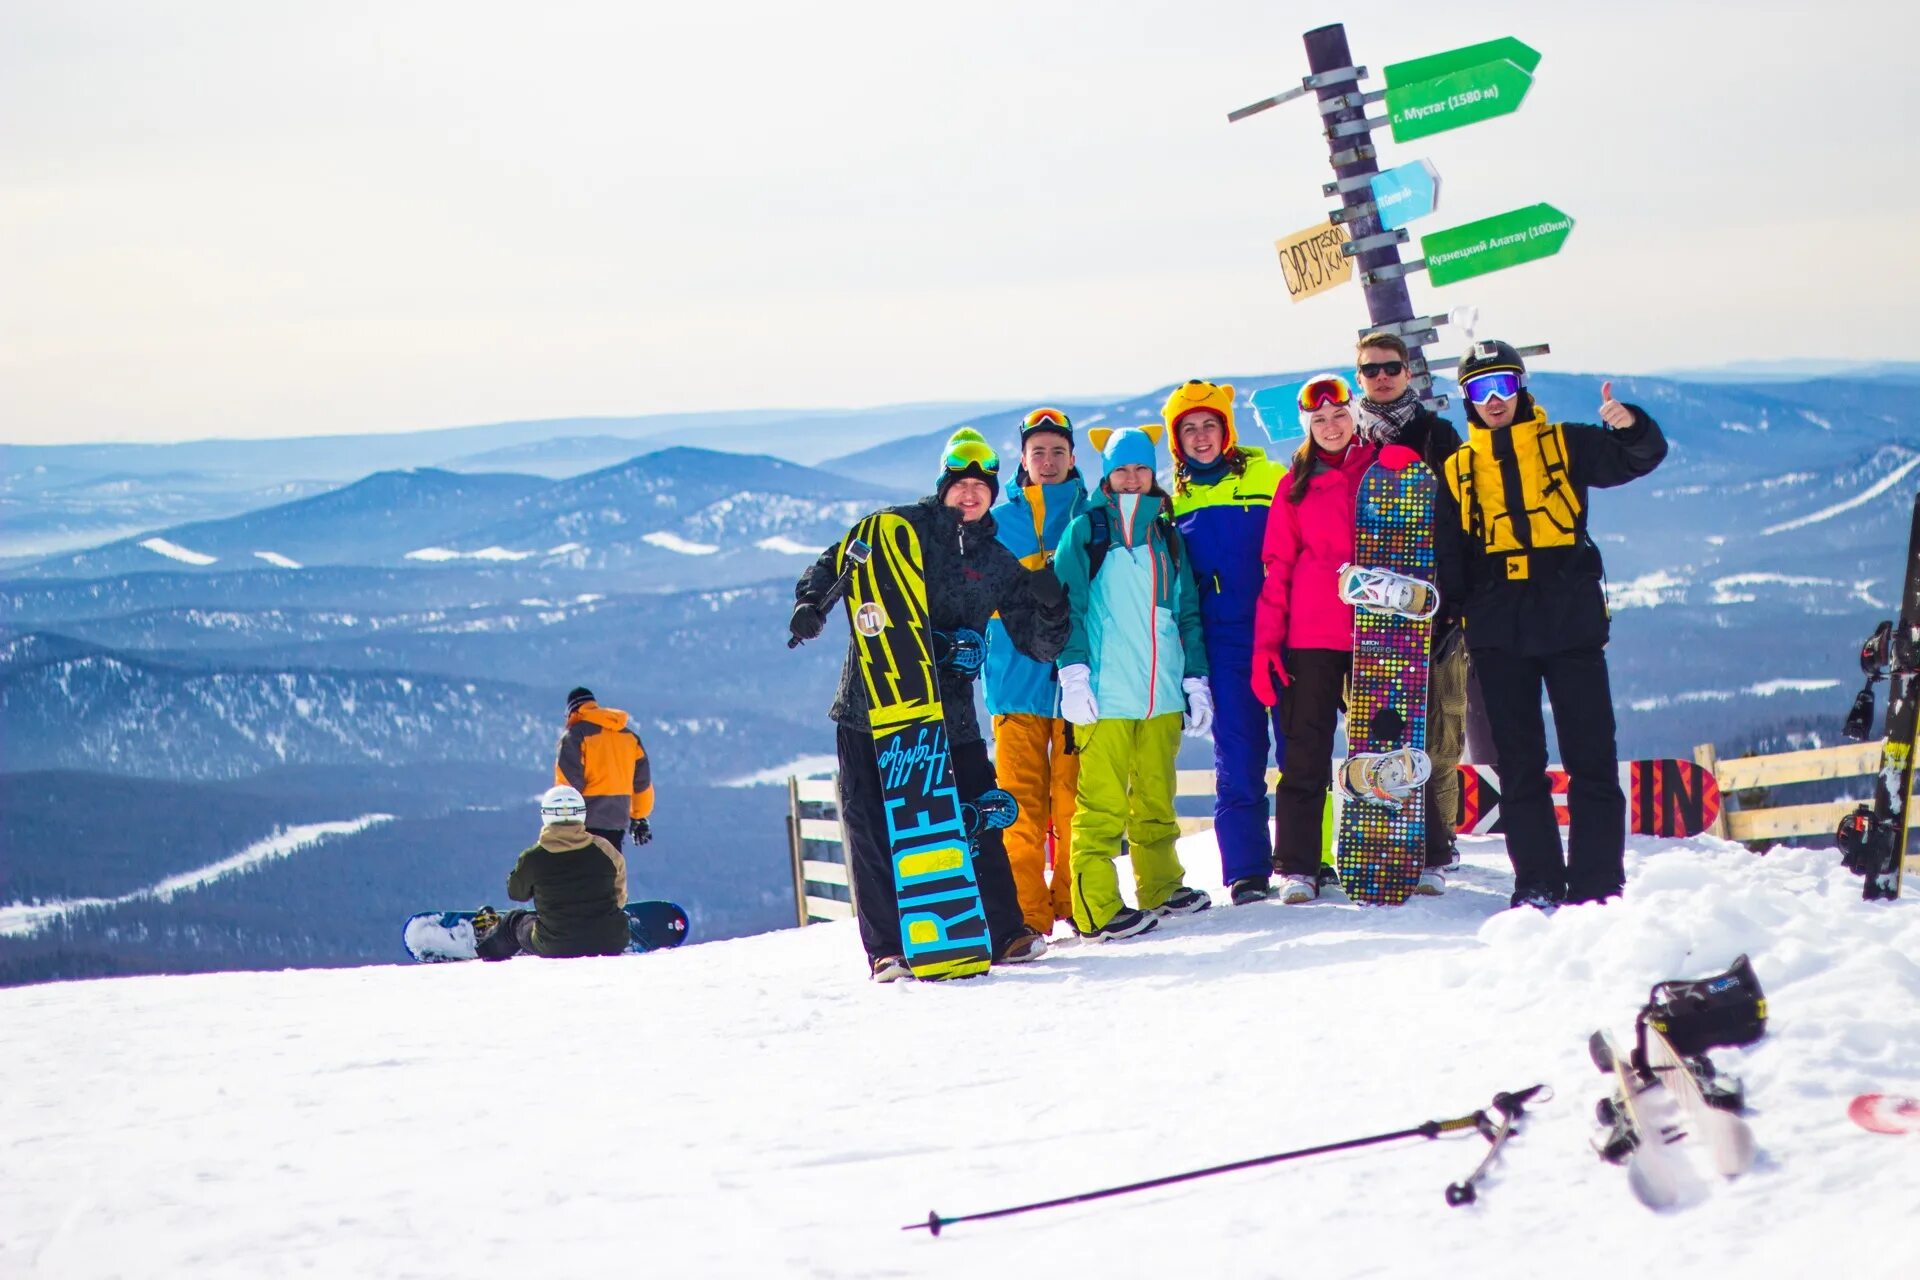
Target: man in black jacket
x,y
1513,549
1390,412
970,576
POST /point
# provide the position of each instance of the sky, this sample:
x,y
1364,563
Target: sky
x,y
228,218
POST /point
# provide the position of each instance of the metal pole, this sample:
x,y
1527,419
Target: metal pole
x,y
1387,300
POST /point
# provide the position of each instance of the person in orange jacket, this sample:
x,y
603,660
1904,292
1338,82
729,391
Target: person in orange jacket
x,y
602,758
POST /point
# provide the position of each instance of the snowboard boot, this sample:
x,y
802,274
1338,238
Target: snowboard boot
x,y
1128,922
1184,902
1433,882
1297,889
1250,890
1028,944
890,968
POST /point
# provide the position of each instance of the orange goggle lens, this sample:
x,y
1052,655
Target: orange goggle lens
x,y
1323,391
1047,418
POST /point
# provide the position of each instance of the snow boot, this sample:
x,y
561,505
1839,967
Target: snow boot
x,y
1433,882
1184,902
1251,889
1128,922
890,968
1028,944
1296,889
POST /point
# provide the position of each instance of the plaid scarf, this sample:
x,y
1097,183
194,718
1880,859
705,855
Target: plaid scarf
x,y
1382,423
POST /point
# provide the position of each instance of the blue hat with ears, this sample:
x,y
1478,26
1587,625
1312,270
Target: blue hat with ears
x,y
1127,447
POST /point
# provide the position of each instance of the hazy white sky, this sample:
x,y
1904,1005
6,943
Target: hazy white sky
x,y
230,217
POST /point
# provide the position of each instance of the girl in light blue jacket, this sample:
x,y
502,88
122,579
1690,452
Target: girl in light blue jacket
x,y
1132,675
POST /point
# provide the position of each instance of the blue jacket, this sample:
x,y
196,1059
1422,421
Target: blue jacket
x,y
1136,623
1030,523
1223,525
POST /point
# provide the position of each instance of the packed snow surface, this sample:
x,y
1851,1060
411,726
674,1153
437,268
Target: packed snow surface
x,y
759,1108
174,551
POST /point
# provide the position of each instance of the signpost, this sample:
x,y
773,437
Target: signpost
x,y
1312,262
1492,244
1423,96
1402,194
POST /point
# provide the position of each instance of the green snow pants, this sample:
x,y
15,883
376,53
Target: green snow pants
x,y
1126,789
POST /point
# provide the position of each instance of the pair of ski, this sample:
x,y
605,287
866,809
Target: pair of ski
x,y
1659,1098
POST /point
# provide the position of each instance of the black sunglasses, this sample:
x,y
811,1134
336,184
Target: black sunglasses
x,y
1392,368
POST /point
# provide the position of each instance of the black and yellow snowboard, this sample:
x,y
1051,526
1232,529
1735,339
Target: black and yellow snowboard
x,y
943,927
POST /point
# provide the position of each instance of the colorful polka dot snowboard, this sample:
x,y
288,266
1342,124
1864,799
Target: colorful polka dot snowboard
x,y
1381,847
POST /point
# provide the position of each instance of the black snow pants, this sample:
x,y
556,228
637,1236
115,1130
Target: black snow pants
x,y
863,816
1582,700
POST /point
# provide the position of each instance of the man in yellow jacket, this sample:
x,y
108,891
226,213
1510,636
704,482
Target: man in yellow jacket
x,y
602,758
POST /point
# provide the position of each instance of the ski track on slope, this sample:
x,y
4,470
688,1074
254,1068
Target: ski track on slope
x,y
758,1108
1860,499
22,918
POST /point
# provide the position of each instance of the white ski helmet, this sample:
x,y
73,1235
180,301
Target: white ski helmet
x,y
562,804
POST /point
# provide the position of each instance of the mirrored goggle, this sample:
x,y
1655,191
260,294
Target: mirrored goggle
x,y
973,453
1047,418
1483,387
1324,391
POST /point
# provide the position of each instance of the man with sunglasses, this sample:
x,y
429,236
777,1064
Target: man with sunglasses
x,y
1222,492
1033,745
969,578
1511,538
1389,412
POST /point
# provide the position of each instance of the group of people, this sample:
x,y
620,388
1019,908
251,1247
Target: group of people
x,y
1120,617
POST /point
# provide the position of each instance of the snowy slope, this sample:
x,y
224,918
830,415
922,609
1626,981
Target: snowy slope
x,y
756,1108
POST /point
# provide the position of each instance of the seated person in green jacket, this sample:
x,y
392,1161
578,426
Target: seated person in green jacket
x,y
577,883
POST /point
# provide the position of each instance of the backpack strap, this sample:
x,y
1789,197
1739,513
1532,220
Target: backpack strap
x,y
1099,539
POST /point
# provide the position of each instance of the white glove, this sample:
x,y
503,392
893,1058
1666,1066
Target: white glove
x,y
1199,707
1076,694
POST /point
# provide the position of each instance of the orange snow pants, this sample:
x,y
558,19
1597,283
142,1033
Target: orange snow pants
x,y
1032,764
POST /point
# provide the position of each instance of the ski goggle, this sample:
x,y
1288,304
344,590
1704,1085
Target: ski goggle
x,y
1047,418
968,454
1324,391
1392,368
1482,387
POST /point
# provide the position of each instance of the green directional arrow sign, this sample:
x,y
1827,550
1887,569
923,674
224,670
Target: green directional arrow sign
x,y
1505,49
1493,244
1457,98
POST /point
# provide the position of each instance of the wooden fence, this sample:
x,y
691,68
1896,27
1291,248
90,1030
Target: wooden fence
x,y
1780,822
822,889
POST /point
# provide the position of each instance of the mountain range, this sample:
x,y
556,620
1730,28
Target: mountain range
x,y
401,642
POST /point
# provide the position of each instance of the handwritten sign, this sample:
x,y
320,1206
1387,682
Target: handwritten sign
x,y
1312,262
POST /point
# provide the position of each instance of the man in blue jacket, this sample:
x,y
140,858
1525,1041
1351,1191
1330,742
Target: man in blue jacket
x,y
1033,745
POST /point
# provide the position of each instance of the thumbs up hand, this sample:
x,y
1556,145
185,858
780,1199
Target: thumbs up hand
x,y
1612,412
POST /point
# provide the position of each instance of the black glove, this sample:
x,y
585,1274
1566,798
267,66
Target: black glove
x,y
807,621
641,830
1048,592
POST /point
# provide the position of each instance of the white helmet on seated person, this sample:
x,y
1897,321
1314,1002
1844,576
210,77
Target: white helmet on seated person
x,y
563,804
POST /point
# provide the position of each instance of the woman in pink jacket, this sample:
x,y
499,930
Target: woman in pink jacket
x,y
1302,630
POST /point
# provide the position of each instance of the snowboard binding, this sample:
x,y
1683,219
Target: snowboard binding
x,y
994,810
962,652
1390,778
1728,1009
1386,592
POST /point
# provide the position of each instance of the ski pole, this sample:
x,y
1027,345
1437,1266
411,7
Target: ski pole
x,y
1511,1107
935,1223
857,553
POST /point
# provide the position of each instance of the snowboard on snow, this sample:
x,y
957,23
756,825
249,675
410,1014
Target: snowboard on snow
x,y
1664,798
434,937
943,926
1381,847
1875,839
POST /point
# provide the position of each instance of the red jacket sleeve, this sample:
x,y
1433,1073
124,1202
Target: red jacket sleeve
x,y
1278,551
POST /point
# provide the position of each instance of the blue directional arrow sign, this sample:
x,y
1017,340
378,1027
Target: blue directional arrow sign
x,y
1405,193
